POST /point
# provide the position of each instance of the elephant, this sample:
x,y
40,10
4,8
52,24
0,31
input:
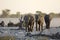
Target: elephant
x,y
40,22
48,19
10,24
2,24
29,22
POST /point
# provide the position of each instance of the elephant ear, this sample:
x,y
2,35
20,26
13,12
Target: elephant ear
x,y
50,17
41,19
38,18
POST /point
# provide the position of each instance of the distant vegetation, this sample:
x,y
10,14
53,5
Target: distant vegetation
x,y
6,14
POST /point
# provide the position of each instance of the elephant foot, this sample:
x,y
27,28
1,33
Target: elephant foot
x,y
31,30
36,29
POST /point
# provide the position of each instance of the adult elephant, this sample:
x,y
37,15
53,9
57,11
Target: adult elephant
x,y
40,22
26,20
48,19
29,22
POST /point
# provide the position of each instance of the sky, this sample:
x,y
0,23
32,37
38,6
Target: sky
x,y
26,6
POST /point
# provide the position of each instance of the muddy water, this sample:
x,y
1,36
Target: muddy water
x,y
54,23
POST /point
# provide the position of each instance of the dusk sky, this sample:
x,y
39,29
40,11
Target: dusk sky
x,y
25,6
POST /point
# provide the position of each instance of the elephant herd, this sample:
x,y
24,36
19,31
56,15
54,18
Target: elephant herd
x,y
29,21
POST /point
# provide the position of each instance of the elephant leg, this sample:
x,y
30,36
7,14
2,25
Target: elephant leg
x,y
39,27
31,28
42,26
36,26
28,28
48,24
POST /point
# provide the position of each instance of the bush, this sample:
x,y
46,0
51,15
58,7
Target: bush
x,y
7,38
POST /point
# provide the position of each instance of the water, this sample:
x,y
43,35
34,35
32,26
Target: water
x,y
6,20
54,23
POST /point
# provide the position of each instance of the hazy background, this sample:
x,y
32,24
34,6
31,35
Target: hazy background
x,y
25,6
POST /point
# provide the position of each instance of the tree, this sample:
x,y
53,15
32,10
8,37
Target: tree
x,y
13,16
5,13
52,14
17,14
39,12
